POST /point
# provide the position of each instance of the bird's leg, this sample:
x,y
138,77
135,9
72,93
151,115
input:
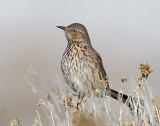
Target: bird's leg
x,y
76,95
78,105
81,99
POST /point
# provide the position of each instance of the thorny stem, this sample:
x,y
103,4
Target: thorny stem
x,y
39,118
121,110
19,123
51,107
148,109
148,89
157,114
93,106
107,111
67,115
68,118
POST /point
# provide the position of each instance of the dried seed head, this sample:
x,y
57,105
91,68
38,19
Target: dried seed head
x,y
14,122
124,80
145,69
156,109
139,83
68,101
139,86
36,121
39,103
49,95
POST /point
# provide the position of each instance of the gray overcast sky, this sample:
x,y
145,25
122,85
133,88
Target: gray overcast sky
x,y
124,32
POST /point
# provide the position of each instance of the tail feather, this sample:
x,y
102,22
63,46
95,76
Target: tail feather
x,y
119,96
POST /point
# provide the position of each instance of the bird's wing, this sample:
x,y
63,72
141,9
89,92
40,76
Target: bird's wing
x,y
100,63
94,69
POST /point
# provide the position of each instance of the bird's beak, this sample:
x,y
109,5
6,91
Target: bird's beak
x,y
61,27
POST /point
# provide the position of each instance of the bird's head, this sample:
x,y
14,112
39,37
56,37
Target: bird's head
x,y
76,32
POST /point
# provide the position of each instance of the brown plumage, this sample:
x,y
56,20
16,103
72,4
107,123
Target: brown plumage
x,y
82,66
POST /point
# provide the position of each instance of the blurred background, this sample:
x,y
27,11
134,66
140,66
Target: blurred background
x,y
125,33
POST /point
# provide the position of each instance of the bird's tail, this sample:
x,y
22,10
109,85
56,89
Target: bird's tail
x,y
119,96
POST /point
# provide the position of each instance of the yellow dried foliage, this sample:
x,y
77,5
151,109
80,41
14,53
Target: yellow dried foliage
x,y
84,118
36,121
124,80
39,103
49,95
14,122
145,69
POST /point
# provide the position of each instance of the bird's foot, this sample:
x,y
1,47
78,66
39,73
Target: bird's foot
x,y
79,106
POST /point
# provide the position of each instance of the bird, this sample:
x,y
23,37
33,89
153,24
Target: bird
x,y
82,66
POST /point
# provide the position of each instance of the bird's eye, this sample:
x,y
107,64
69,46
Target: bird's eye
x,y
74,30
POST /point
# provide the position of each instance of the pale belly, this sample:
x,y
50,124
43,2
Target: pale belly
x,y
79,75
74,75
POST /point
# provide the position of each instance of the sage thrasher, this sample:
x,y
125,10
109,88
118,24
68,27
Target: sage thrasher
x,y
82,66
